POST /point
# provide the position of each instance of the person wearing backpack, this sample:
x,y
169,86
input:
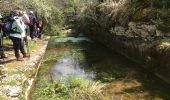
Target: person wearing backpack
x,y
17,36
32,23
2,54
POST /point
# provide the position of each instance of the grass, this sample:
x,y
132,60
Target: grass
x,y
2,98
32,45
7,41
85,89
120,76
75,88
11,83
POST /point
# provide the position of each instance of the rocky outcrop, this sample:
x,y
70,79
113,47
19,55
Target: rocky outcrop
x,y
140,42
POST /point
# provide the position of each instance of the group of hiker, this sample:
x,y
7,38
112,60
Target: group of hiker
x,y
18,26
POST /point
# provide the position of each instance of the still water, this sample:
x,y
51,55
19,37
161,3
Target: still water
x,y
83,57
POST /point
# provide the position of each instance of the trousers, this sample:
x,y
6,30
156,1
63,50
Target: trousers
x,y
18,45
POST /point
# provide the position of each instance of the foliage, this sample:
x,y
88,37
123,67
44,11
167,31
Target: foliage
x,y
6,6
85,89
43,9
55,30
69,88
108,13
48,91
32,45
72,6
74,89
79,88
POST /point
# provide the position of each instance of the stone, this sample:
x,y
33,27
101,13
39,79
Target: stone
x,y
167,34
144,34
129,33
14,91
150,28
119,30
112,30
132,25
15,98
12,83
159,33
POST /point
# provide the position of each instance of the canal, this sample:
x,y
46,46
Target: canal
x,y
81,57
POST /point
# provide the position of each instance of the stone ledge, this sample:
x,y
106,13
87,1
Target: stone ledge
x,y
17,77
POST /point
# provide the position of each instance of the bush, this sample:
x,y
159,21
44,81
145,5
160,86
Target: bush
x,y
55,31
44,9
75,88
145,15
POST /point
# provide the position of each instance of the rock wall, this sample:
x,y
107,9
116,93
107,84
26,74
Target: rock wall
x,y
140,42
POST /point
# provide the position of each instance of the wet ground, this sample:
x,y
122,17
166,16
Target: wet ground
x,y
81,56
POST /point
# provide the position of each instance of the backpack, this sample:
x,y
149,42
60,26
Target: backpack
x,y
8,26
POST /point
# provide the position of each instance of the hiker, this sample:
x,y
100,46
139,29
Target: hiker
x,y
17,35
40,26
25,19
32,24
2,54
37,34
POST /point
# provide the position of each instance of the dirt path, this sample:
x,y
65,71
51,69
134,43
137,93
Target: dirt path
x,y
16,76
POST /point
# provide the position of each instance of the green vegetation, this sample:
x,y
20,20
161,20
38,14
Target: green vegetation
x,y
105,14
94,16
43,9
11,83
116,75
75,88
94,13
32,45
72,6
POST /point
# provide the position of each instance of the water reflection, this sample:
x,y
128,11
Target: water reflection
x,y
95,62
70,66
73,39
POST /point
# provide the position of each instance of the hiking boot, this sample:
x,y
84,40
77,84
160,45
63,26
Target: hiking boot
x,y
19,59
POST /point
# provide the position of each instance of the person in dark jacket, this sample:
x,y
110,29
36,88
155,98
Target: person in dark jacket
x,y
17,36
2,54
32,23
40,26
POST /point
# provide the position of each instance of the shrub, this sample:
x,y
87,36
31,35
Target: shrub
x,y
74,88
44,9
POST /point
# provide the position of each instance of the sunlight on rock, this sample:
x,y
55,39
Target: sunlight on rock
x,y
164,45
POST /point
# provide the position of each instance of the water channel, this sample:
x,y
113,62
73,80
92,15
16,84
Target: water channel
x,y
83,57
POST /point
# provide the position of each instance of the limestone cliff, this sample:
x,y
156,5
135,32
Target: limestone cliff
x,y
140,32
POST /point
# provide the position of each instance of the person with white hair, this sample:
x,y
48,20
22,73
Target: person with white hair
x,y
32,24
25,20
